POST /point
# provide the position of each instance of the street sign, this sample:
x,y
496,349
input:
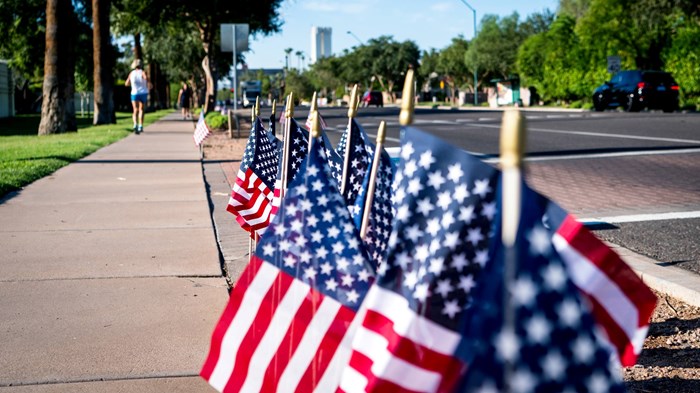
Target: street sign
x,y
242,31
613,64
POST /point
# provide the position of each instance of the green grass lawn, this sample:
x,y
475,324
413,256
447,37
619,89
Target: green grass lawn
x,y
26,157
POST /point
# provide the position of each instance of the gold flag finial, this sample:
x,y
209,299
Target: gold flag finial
x,y
289,111
406,116
512,139
274,107
315,125
352,106
381,133
314,104
257,106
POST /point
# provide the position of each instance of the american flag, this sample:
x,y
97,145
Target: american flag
x,y
201,131
299,141
621,303
361,152
380,216
251,196
542,337
291,316
321,120
445,204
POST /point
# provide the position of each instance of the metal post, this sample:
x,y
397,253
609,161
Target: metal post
x,y
235,72
476,99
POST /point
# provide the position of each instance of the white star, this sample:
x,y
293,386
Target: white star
x,y
410,280
523,382
382,268
540,242
444,200
403,259
305,205
410,168
285,245
451,240
424,206
538,329
482,257
363,275
316,237
554,365
357,260
327,216
474,236
569,313
291,209
487,387
466,214
466,283
311,220
444,288
481,188
489,210
433,226
343,264
436,180
455,173
326,268
460,193
507,345
422,252
598,383
583,350
402,213
317,185
331,284
407,150
421,293
310,273
347,280
447,220
321,253
413,233
289,260
297,225
554,277
414,187
524,291
353,296
322,200
300,241
437,265
333,232
269,249
459,261
338,247
352,243
451,308
427,159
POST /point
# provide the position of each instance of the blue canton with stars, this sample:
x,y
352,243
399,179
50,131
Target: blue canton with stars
x,y
361,152
261,155
445,204
313,238
381,217
551,345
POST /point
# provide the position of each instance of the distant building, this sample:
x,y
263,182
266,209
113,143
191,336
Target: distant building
x,y
7,91
320,43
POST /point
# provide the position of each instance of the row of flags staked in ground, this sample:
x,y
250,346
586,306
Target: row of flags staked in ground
x,y
414,329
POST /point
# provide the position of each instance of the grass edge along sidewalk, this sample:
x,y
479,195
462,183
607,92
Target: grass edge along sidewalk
x,y
26,157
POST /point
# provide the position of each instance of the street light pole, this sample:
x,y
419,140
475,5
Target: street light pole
x,y
356,37
476,100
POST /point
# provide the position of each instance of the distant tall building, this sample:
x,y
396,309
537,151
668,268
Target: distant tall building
x,y
320,43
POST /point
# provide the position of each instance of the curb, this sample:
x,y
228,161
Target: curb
x,y
675,282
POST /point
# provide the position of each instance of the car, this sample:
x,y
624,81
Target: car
x,y
373,98
634,90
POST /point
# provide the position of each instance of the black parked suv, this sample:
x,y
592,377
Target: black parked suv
x,y
636,90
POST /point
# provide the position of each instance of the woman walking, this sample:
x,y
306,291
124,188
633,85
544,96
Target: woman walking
x,y
184,98
138,80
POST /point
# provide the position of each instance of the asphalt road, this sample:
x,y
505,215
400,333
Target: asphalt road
x,y
634,177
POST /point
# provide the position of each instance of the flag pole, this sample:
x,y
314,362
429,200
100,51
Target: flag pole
x,y
512,151
313,111
288,114
367,208
257,107
352,112
406,116
273,117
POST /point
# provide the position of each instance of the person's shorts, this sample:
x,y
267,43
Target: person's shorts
x,y
140,97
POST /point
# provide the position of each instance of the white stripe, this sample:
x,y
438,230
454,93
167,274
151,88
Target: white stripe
x,y
587,277
353,381
269,345
642,217
603,155
238,190
256,207
308,345
331,378
391,368
264,217
410,325
250,306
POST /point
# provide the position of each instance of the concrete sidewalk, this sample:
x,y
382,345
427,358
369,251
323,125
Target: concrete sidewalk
x,y
110,275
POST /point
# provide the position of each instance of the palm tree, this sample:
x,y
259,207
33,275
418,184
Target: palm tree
x,y
287,52
298,55
102,61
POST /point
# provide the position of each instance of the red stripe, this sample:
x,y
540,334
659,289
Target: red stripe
x,y
222,326
291,340
617,337
610,264
257,330
406,349
327,348
363,365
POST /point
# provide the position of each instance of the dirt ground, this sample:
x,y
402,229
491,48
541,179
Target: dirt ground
x,y
670,361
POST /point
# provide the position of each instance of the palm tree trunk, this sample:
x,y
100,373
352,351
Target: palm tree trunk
x,y
56,65
138,51
102,63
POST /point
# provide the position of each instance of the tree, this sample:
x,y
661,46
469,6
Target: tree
x,y
103,64
58,73
386,60
493,51
287,52
452,66
683,61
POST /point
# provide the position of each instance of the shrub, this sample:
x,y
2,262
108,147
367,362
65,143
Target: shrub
x,y
216,121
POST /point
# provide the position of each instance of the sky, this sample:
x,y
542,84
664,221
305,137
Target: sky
x,y
430,24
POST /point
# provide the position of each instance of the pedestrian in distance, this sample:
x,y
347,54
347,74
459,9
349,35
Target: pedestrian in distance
x,y
184,97
138,80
